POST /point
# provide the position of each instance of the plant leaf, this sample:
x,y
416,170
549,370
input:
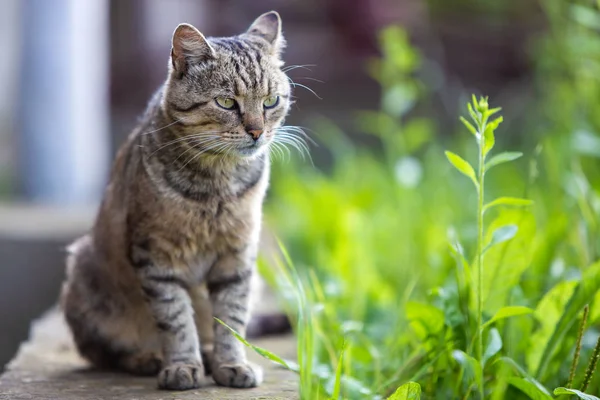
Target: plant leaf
x,y
508,201
493,345
584,294
529,388
505,262
547,312
569,392
338,375
502,158
472,112
424,319
263,352
493,125
493,111
408,391
471,366
462,166
488,141
502,234
511,363
469,126
507,312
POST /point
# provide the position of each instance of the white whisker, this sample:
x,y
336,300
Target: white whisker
x,y
217,147
186,137
305,87
310,79
196,144
293,67
299,130
159,129
276,150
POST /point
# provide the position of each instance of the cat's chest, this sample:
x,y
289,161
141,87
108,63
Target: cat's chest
x,y
217,227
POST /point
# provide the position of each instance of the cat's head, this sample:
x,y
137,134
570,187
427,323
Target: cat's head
x,y
230,93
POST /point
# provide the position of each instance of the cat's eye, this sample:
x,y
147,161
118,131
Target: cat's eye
x,y
226,103
271,102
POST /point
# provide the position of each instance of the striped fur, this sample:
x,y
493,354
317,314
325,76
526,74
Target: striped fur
x,y
176,237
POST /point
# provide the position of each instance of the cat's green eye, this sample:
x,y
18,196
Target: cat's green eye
x,y
271,102
226,103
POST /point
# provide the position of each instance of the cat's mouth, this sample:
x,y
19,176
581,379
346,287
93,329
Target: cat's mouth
x,y
251,149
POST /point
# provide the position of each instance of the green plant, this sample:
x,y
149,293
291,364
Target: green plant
x,y
378,297
483,131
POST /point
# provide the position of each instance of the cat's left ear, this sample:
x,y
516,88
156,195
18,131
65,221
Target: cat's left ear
x,y
189,45
268,27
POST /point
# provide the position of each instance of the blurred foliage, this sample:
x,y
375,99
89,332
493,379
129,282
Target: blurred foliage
x,y
383,263
496,10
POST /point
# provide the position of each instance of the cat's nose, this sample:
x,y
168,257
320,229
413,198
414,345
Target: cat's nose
x,y
255,133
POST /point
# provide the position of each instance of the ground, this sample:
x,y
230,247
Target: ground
x,y
47,367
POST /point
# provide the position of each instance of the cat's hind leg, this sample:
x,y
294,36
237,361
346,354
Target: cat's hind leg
x,y
111,330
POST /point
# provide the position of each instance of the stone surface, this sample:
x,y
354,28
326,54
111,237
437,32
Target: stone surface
x,y
47,367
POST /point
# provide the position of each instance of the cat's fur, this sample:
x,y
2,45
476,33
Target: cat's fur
x,y
176,237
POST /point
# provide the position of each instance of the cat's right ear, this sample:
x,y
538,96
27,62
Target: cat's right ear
x,y
189,45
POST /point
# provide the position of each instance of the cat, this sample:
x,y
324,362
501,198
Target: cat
x,y
175,240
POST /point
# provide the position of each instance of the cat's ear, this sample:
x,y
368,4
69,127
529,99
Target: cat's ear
x,y
189,45
268,27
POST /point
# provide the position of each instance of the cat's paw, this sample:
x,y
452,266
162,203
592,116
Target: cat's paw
x,y
181,377
244,375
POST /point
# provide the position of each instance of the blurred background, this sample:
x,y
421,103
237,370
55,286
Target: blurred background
x,y
75,75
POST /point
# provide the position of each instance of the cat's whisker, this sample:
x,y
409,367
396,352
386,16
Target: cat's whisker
x,y
292,136
310,79
298,141
160,129
196,144
285,152
305,87
275,151
215,147
297,130
295,142
207,135
293,67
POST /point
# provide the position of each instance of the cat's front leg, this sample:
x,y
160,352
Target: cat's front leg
x,y
171,307
229,284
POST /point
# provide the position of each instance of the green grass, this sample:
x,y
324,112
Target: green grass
x,y
400,273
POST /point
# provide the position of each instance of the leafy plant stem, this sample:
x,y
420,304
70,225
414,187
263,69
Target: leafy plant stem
x,y
480,211
586,311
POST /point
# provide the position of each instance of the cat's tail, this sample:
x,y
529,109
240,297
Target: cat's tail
x,y
268,324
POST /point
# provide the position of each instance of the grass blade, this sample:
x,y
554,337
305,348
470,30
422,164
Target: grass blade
x,y
561,391
533,391
338,375
507,312
263,352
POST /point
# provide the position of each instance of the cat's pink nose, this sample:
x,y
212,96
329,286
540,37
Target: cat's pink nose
x,y
255,133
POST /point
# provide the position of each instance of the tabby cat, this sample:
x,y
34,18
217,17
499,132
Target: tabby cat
x,y
176,237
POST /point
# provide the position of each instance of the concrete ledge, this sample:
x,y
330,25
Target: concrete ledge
x,y
47,367
36,222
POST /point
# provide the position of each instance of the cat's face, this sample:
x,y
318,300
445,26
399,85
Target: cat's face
x,y
229,93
